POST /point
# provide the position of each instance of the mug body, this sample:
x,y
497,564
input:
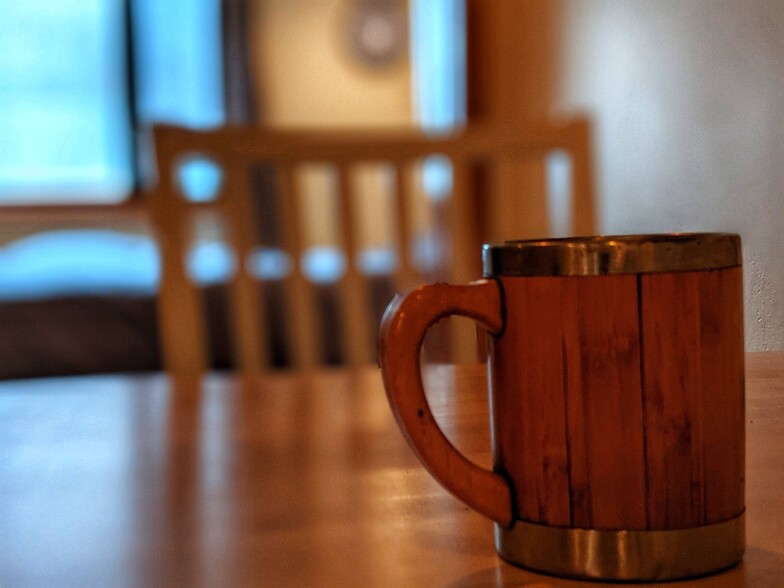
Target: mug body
x,y
617,393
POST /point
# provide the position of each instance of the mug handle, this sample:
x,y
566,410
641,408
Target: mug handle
x,y
402,332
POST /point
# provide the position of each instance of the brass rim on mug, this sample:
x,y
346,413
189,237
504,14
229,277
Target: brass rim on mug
x,y
619,254
623,555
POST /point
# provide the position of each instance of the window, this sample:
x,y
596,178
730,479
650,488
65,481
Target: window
x,y
75,77
66,79
64,122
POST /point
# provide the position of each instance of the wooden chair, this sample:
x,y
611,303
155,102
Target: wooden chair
x,y
238,149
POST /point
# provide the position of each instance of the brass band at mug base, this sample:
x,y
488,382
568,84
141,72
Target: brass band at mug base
x,y
623,555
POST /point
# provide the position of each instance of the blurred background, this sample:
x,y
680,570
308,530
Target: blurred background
x,y
684,98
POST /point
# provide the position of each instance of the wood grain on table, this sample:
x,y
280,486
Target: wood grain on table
x,y
284,480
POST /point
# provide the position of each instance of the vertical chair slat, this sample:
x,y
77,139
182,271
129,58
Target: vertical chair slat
x,y
583,207
355,303
247,297
405,274
304,350
465,242
181,320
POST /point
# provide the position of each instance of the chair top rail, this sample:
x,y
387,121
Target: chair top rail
x,y
341,146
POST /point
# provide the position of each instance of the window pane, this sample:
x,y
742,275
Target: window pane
x,y
438,61
179,73
64,128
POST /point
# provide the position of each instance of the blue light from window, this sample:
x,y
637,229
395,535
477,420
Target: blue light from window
x,y
178,54
439,69
377,261
266,263
78,262
323,265
211,262
64,126
199,179
438,50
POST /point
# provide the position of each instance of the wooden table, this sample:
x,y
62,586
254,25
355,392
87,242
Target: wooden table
x,y
289,480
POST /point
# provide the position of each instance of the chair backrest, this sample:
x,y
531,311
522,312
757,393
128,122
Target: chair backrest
x,y
238,150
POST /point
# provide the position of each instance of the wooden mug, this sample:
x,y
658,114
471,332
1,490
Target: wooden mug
x,y
617,402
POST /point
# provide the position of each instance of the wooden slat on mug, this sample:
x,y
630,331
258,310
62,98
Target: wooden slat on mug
x,y
721,336
532,425
672,390
604,402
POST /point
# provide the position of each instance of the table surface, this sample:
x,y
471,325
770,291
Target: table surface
x,y
284,480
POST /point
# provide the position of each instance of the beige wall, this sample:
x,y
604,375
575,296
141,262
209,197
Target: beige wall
x,y
308,77
688,98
